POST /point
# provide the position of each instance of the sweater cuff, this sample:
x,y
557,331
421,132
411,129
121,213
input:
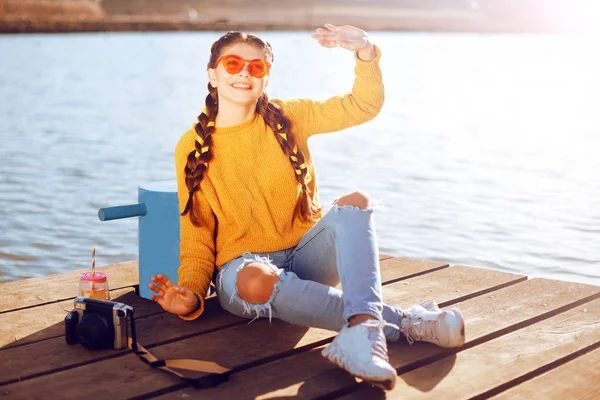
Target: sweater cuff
x,y
200,288
197,311
362,65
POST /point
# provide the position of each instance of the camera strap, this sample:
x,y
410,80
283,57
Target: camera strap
x,y
216,373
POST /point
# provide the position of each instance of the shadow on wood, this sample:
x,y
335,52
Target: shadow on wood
x,y
426,382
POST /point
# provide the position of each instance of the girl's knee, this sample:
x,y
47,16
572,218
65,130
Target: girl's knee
x,y
255,283
358,199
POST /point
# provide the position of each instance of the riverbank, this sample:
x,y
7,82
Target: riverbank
x,y
49,16
158,24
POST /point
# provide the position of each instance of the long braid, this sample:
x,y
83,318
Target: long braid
x,y
197,160
280,125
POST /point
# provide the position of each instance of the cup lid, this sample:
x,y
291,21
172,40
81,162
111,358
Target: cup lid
x,y
96,277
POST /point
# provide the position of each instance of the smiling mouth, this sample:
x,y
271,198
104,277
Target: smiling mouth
x,y
243,86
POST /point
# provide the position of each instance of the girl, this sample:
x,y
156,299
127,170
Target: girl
x,y
250,213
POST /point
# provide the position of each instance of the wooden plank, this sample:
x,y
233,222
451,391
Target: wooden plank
x,y
457,283
236,346
307,375
398,268
45,321
384,256
577,379
172,328
58,287
39,323
477,371
54,354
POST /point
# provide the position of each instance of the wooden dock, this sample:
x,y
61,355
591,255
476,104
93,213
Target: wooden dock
x,y
526,338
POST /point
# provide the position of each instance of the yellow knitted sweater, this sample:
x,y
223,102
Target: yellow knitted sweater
x,y
249,191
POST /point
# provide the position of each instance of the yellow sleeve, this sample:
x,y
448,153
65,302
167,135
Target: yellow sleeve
x,y
197,245
340,112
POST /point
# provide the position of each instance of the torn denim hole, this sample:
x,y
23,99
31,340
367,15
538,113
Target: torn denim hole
x,y
347,207
257,308
375,205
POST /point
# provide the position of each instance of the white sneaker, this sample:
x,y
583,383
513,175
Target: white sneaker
x,y
428,323
362,351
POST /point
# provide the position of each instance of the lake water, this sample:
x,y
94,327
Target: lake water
x,y
485,153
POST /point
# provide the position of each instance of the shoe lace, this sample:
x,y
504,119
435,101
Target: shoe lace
x,y
418,329
375,335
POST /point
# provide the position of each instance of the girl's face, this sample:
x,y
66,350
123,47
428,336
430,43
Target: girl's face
x,y
241,88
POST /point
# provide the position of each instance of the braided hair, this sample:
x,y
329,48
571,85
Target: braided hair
x,y
197,160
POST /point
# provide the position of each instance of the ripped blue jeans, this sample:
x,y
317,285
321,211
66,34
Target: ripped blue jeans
x,y
341,247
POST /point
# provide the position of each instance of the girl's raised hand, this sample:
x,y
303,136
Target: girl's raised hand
x,y
172,298
345,36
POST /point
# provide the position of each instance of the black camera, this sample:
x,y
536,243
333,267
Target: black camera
x,y
98,324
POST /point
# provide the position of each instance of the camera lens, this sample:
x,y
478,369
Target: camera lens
x,y
94,333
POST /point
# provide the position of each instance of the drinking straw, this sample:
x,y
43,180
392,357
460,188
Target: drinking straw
x,y
93,261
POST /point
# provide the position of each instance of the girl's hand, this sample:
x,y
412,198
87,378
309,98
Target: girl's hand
x,y
172,298
347,37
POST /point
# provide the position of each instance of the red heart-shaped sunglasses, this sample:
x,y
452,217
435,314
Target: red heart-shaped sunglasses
x,y
233,64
